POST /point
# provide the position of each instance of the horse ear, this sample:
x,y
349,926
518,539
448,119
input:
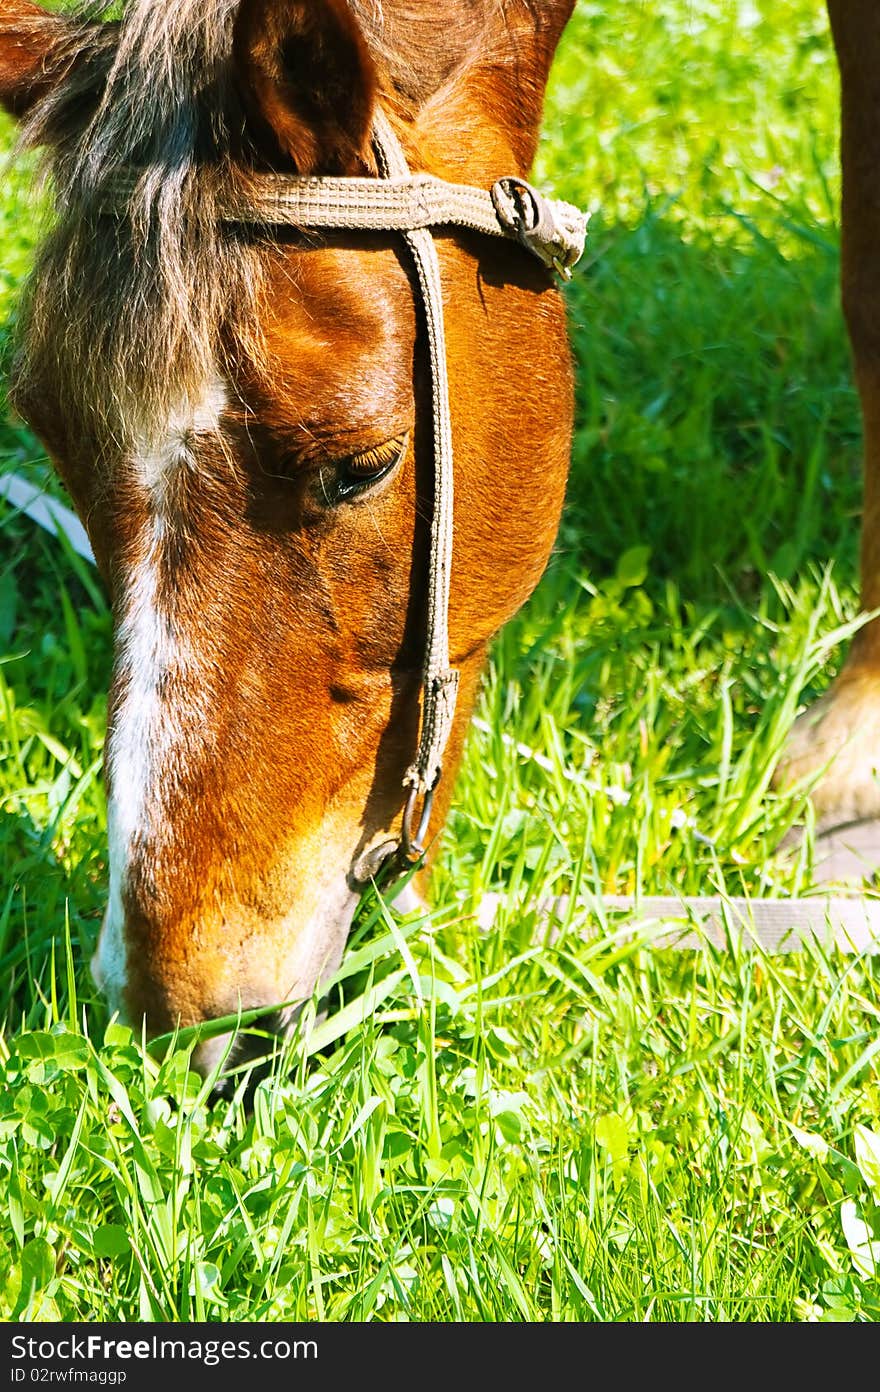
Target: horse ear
x,y
308,83
507,82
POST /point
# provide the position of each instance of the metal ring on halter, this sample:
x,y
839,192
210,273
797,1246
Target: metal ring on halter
x,y
412,848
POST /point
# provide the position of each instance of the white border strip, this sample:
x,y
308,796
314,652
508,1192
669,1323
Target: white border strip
x,y
850,924
54,517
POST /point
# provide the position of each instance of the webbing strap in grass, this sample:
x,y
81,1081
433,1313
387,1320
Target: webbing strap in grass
x,y
849,923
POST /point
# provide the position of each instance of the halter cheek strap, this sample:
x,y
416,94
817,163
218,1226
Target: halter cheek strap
x,y
414,204
439,680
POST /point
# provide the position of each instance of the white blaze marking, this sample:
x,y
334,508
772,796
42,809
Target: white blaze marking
x,y
145,729
171,448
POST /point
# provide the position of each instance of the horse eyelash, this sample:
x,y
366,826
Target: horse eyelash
x,y
362,469
378,457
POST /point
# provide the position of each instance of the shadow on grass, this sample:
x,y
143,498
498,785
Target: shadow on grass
x,y
717,423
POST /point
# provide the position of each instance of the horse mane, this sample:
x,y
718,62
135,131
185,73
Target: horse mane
x,y
126,339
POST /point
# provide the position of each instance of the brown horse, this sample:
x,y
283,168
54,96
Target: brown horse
x,y
243,423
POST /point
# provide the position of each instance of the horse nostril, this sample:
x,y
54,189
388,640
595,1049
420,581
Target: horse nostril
x,y
237,1049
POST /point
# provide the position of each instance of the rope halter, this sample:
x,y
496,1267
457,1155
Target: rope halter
x,y
414,204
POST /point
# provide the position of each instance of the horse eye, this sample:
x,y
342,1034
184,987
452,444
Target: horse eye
x,y
360,472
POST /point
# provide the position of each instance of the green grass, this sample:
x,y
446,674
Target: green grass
x,y
528,1121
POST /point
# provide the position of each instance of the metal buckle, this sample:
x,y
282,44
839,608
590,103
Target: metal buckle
x,y
412,848
535,222
517,206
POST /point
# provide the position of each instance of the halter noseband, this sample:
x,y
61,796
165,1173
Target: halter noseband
x,y
413,204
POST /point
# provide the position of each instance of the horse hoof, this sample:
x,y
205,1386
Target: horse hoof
x,y
837,742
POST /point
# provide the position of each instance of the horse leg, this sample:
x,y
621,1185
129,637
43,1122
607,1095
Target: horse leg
x,y
844,726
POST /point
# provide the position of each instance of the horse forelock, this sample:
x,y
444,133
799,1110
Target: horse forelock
x,y
125,310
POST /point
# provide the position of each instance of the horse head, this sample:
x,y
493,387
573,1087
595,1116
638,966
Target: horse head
x,y
242,416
